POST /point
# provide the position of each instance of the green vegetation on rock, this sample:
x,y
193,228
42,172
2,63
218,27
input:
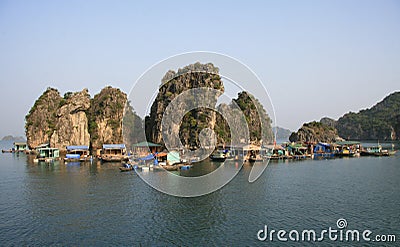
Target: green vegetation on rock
x,y
315,132
380,122
133,129
41,120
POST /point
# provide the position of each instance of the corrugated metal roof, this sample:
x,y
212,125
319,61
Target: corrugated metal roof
x,y
348,143
146,144
77,148
20,143
324,144
114,146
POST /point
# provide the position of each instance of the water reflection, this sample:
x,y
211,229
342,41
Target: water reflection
x,y
96,204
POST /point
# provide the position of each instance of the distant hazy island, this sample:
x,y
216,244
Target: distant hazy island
x,y
13,138
281,133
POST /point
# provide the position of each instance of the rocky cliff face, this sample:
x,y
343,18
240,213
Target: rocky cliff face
x,y
71,121
76,119
328,122
257,119
41,120
259,123
105,117
173,84
315,132
132,127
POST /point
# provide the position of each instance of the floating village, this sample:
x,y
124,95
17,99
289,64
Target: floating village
x,y
152,156
79,128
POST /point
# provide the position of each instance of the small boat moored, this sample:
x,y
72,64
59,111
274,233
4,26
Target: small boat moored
x,y
218,155
126,167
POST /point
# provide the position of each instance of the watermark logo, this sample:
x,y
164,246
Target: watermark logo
x,y
339,233
197,88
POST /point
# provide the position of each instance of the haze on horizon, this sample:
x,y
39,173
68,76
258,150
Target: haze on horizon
x,y
315,58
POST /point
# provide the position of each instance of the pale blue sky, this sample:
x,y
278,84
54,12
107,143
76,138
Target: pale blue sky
x,y
316,58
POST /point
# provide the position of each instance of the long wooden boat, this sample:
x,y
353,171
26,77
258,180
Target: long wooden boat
x,y
385,153
113,158
371,151
125,169
171,167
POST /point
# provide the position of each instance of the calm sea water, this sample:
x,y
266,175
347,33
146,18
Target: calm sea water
x,y
95,204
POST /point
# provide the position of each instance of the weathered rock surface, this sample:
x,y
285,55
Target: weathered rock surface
x,y
328,122
315,132
71,121
132,128
174,83
258,121
41,120
105,117
76,119
257,118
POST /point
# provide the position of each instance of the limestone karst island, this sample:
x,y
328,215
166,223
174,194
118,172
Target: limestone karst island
x,y
78,127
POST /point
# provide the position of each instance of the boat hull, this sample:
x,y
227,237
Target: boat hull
x,y
218,159
112,158
125,169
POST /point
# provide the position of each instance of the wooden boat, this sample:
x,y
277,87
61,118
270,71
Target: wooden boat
x,y
113,158
171,167
7,151
385,152
346,153
370,151
218,156
255,158
126,168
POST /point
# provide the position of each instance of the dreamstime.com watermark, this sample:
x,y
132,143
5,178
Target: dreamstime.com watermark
x,y
339,233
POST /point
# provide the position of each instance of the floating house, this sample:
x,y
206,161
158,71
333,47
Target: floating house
x,y
47,154
20,146
144,148
279,153
173,158
114,152
253,153
324,150
77,153
298,151
348,148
